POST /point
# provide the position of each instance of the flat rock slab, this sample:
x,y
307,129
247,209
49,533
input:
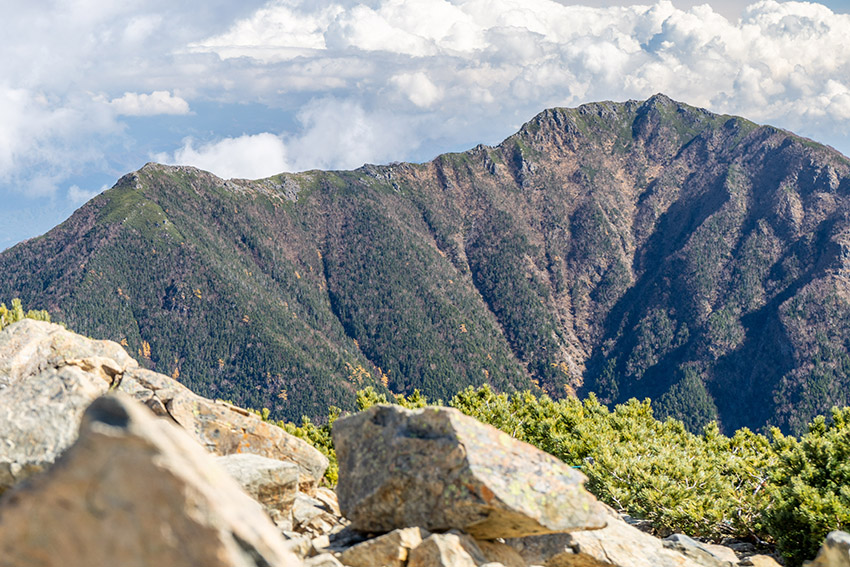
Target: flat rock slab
x,y
439,469
135,490
618,545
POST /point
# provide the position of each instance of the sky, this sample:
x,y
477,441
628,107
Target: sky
x,y
91,90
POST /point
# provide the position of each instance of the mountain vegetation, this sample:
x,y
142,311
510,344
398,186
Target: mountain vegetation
x,y
768,489
638,249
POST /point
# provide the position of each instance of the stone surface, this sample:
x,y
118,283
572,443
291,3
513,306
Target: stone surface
x,y
135,490
439,469
700,553
272,483
447,550
618,544
323,560
497,552
835,551
759,561
222,428
49,375
388,550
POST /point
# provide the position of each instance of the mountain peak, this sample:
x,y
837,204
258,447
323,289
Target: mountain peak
x,y
634,249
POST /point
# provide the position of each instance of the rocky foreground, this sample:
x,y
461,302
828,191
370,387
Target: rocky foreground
x,y
103,462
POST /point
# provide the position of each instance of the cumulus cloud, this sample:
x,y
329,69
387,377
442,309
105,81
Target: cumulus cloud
x,y
158,102
333,134
418,88
347,81
43,138
249,156
79,196
782,62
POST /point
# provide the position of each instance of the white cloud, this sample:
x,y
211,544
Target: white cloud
x,y
773,64
158,102
43,138
334,134
356,81
79,196
248,156
418,88
341,134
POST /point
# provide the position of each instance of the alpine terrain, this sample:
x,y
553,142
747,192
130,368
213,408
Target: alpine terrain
x,y
638,249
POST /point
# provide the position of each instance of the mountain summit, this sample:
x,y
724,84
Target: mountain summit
x,y
627,249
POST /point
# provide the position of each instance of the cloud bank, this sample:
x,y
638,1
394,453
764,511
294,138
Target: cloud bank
x,y
346,82
461,65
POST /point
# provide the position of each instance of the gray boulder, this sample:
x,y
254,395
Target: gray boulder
x,y
438,469
272,483
135,490
835,551
49,375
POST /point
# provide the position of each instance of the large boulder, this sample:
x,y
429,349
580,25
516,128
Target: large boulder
x,y
222,428
135,490
274,484
439,469
49,375
835,551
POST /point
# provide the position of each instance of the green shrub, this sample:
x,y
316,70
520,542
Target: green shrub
x,y
320,437
705,485
16,313
811,487
778,489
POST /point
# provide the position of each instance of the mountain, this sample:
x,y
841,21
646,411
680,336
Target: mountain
x,y
628,249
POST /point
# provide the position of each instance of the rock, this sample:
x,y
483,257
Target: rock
x,y
388,550
319,545
439,469
313,516
272,483
135,490
447,550
323,560
759,561
618,544
498,552
225,429
48,376
328,497
835,551
700,553
346,537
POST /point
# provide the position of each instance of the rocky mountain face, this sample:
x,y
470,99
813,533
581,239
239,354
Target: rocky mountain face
x,y
141,485
642,249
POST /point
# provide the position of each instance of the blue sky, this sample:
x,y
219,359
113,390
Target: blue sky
x,y
91,90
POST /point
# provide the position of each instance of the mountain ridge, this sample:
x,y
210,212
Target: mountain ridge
x,y
631,249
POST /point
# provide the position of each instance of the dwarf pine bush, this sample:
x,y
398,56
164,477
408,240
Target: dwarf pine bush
x,y
16,313
774,489
810,487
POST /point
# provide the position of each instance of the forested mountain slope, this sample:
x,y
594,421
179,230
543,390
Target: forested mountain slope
x,y
635,249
